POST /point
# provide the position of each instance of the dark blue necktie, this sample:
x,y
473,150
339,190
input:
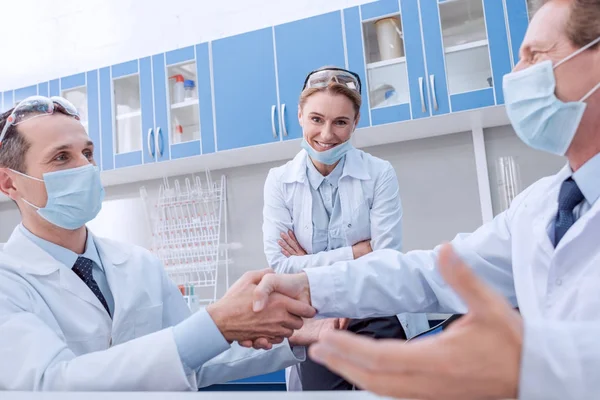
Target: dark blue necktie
x,y
568,198
83,268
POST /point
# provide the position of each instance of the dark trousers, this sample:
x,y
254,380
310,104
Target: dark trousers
x,y
316,377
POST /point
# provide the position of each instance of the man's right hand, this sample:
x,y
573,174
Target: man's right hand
x,y
295,286
362,249
278,317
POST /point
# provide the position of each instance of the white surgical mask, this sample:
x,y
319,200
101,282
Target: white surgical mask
x,y
539,118
74,196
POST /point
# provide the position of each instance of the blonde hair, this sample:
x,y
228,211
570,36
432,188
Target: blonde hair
x,y
333,88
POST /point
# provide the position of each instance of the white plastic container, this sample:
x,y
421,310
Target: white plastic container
x,y
389,38
178,89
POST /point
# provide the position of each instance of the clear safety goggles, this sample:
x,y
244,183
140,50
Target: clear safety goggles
x,y
321,78
38,106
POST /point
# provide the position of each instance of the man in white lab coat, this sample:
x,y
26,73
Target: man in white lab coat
x,y
542,255
78,312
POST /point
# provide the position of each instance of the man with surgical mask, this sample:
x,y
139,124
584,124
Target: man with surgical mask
x,y
78,312
542,255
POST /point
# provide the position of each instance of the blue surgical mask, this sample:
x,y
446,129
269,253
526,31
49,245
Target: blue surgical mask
x,y
327,157
539,118
74,196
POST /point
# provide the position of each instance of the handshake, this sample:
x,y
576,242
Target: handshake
x,y
262,309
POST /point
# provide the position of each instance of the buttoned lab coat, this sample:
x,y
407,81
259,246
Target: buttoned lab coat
x,y
56,335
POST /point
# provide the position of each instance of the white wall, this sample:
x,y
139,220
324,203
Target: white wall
x,y
44,40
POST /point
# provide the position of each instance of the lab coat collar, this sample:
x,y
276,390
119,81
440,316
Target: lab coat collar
x,y
34,260
354,167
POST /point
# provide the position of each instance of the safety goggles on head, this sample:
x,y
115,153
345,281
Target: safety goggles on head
x,y
37,106
321,78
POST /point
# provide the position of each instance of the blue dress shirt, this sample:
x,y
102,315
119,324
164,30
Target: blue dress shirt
x,y
68,258
588,180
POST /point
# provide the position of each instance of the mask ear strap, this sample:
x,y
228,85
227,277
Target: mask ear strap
x,y
591,92
26,176
577,52
29,204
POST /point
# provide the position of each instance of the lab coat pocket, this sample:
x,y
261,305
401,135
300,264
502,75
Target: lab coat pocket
x,y
148,320
358,224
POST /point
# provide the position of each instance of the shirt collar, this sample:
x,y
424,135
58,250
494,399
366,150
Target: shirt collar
x,y
63,255
315,178
588,179
354,166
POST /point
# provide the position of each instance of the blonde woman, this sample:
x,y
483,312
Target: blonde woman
x,y
332,203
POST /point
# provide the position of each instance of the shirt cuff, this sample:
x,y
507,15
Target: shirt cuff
x,y
198,340
299,352
322,291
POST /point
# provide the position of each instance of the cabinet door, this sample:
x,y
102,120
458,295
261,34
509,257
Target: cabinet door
x,y
121,115
244,90
356,59
43,89
161,113
183,131
518,21
467,53
147,104
303,46
383,38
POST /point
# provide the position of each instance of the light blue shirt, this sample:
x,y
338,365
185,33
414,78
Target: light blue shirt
x,y
328,233
192,354
68,259
588,180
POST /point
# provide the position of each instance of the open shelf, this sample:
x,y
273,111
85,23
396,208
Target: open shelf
x,y
183,104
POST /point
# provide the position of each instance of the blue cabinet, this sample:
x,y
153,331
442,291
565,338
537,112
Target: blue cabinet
x,y
183,119
431,57
121,115
416,59
303,46
467,53
245,92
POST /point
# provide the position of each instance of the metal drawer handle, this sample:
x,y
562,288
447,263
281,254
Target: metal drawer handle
x,y
285,133
432,83
273,121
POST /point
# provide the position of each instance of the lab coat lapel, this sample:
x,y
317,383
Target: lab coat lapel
x,y
581,241
70,282
113,257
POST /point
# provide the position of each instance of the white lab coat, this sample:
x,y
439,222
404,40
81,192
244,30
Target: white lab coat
x,y
55,334
371,209
557,289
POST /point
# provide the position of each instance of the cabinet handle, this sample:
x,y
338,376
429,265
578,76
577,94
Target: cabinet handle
x,y
432,83
150,140
273,121
159,142
283,120
421,92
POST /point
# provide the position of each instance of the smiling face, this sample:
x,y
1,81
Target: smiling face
x,y
328,118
